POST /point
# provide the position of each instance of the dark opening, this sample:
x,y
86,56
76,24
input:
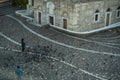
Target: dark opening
x,y
96,17
32,2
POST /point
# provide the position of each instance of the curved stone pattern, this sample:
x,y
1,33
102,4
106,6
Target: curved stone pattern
x,y
45,60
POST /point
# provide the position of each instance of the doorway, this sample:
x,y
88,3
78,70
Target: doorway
x,y
51,20
107,19
39,15
65,23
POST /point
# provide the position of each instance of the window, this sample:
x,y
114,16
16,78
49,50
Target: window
x,y
108,10
118,12
96,16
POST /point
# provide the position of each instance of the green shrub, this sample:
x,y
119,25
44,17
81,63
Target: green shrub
x,y
20,3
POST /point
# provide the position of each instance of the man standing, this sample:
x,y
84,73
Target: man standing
x,y
23,44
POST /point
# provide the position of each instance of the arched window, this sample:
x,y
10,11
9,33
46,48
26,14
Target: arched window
x,y
97,16
108,10
118,12
51,7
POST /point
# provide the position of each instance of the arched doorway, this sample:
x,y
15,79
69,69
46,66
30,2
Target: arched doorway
x,y
108,17
51,17
65,20
39,16
64,23
51,20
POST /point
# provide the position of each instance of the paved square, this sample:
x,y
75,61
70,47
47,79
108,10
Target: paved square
x,y
52,55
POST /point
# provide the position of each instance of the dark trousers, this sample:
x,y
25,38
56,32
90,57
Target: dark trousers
x,y
23,47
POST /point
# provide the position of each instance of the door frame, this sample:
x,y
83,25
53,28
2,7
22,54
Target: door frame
x,y
109,18
48,19
38,16
39,19
63,22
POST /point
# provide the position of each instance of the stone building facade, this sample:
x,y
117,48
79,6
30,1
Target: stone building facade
x,y
75,15
2,1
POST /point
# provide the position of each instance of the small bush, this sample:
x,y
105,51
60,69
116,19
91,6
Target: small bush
x,y
20,3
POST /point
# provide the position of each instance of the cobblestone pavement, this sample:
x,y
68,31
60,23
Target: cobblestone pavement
x,y
36,66
6,9
80,43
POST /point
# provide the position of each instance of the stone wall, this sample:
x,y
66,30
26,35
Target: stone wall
x,y
80,16
86,14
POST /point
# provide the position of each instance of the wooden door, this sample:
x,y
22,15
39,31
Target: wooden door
x,y
107,19
51,20
39,17
65,23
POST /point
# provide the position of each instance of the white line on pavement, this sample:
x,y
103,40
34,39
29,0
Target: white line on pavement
x,y
62,44
88,40
113,44
79,69
1,47
14,50
94,75
9,39
66,63
116,37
